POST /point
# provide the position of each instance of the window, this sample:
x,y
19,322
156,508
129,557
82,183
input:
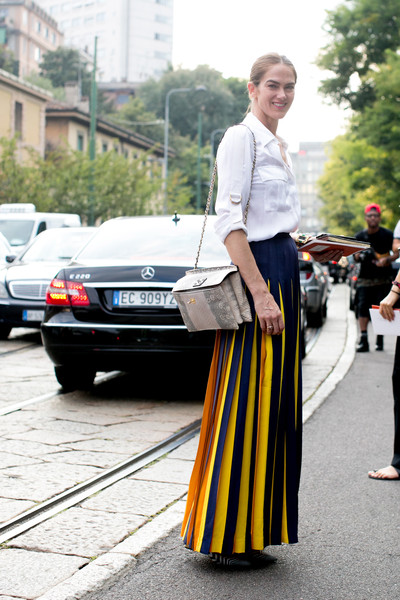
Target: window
x,y
46,33
80,144
38,26
162,37
104,147
37,54
18,117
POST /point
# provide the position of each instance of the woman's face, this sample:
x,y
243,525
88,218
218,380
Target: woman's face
x,y
273,97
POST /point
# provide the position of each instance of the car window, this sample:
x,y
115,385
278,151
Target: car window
x,y
17,232
56,244
154,240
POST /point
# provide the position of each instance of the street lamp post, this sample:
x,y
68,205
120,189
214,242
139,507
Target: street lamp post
x,y
166,127
212,153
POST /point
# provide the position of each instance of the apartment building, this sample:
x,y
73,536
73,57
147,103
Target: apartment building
x,y
22,109
308,165
134,37
27,30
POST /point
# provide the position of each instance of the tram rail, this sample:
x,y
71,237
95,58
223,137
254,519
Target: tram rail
x,y
82,491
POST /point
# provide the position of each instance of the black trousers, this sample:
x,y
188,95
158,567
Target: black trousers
x,y
396,397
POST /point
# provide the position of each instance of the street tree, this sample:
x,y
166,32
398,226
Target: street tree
x,y
218,104
68,181
364,164
64,65
360,31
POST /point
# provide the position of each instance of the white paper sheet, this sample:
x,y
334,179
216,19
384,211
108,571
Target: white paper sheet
x,y
383,326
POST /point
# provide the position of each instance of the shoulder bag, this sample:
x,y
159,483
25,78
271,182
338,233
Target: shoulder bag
x,y
214,298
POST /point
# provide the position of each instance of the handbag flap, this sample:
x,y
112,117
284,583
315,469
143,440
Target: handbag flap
x,y
201,278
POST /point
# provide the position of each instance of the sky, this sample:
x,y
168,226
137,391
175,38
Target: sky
x,y
228,35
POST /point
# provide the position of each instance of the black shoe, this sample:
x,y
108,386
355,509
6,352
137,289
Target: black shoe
x,y
261,559
379,343
363,345
234,561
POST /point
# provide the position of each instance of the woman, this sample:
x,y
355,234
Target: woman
x,y
386,310
243,490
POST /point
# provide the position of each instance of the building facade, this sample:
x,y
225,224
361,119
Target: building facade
x,y
134,37
27,30
69,127
22,110
308,164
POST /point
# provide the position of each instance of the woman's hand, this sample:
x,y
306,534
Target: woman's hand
x,y
268,313
326,256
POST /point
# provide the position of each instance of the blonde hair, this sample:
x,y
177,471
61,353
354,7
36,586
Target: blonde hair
x,y
263,63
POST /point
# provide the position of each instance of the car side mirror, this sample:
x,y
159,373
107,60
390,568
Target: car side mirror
x,y
10,258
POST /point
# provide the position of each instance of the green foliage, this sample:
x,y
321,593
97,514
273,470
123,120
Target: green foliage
x,y
361,33
46,84
364,164
107,187
219,103
18,183
136,117
64,65
8,61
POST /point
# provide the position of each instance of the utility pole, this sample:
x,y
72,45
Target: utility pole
x,y
92,139
199,136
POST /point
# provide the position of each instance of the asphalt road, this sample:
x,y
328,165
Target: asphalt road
x,y
349,525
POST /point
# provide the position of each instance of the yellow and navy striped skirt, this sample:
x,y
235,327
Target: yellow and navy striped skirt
x,y
243,492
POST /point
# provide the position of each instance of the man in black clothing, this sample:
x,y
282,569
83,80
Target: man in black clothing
x,y
375,274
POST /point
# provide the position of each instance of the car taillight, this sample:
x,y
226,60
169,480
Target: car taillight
x,y
306,256
66,293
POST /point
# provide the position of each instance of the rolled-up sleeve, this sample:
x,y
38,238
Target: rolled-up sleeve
x,y
234,160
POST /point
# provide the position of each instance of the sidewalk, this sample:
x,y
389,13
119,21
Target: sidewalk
x,y
325,365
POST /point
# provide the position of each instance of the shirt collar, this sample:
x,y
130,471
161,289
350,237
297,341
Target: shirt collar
x,y
263,133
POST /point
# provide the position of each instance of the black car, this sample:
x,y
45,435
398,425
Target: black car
x,y
113,304
24,281
315,279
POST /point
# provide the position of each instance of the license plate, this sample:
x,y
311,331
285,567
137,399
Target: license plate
x,y
33,315
142,298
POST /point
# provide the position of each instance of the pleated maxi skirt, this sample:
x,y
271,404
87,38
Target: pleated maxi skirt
x,y
243,492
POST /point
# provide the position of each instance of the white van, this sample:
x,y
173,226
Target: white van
x,y
20,223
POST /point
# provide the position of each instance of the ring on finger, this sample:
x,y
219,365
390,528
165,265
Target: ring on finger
x,y
270,326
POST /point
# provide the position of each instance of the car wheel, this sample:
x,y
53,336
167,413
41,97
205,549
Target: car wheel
x,y
302,344
4,332
316,319
74,378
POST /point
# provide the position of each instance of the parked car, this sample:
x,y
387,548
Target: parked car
x,y
5,250
303,317
113,304
23,283
315,280
20,223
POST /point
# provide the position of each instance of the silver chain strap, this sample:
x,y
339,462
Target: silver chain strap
x,y
210,193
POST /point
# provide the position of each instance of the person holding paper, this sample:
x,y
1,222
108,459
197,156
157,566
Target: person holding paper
x,y
375,272
387,312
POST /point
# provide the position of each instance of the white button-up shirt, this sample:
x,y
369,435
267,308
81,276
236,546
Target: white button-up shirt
x,y
274,206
